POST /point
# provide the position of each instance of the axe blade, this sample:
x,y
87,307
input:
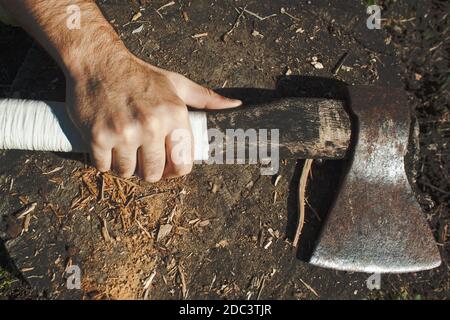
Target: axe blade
x,y
376,224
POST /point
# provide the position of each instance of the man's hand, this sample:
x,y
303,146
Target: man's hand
x,y
129,110
131,113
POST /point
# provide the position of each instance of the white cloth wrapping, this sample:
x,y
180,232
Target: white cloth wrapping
x,y
46,126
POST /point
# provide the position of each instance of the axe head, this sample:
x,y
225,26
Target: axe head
x,y
376,224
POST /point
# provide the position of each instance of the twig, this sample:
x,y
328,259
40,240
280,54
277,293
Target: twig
x,y
256,15
301,198
235,25
283,11
143,229
313,210
163,7
310,288
150,195
136,22
261,287
434,187
339,64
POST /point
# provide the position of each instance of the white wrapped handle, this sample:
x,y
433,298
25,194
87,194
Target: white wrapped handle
x,y
46,126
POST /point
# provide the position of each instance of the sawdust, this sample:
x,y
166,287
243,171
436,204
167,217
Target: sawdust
x,y
131,215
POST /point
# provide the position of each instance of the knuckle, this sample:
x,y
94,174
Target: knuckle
x,y
208,92
120,125
99,136
123,129
128,135
150,124
181,115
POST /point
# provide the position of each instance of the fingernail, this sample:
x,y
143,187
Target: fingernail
x,y
236,102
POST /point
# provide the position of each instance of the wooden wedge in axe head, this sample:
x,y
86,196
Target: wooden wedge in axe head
x,y
375,224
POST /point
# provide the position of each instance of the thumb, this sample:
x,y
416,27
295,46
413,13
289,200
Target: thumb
x,y
199,97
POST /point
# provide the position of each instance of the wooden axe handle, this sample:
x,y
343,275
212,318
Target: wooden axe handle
x,y
308,127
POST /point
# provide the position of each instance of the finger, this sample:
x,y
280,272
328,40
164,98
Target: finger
x,y
124,161
200,97
101,158
152,160
179,152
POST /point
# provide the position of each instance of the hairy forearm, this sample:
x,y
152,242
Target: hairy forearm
x,y
53,23
132,114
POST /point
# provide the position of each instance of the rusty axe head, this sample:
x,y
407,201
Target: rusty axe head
x,y
376,224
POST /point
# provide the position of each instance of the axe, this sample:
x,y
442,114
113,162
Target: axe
x,y
375,223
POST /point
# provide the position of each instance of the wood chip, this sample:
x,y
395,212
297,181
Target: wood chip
x,y
53,171
27,210
277,179
184,291
185,16
204,223
199,35
256,33
26,223
215,188
268,243
194,221
136,16
301,199
316,64
222,244
138,30
147,285
164,231
105,232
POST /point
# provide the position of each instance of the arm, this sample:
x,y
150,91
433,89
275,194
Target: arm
x,y
133,114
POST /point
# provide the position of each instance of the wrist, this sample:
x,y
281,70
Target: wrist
x,y
88,56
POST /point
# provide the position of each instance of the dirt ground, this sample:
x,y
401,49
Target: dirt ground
x,y
221,232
